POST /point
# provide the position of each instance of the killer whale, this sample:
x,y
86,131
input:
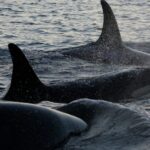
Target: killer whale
x,y
25,86
109,48
27,126
115,125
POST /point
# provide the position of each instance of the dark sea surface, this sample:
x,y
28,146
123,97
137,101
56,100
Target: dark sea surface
x,y
40,27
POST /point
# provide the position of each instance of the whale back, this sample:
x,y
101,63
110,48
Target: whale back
x,y
32,127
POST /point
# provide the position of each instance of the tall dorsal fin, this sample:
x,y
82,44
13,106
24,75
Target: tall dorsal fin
x,y
21,66
24,81
110,33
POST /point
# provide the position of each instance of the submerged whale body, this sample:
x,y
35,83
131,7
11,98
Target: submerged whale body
x,y
116,86
111,126
30,127
109,48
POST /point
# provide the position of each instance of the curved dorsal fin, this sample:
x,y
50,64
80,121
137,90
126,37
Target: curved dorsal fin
x,y
21,66
22,71
24,81
110,33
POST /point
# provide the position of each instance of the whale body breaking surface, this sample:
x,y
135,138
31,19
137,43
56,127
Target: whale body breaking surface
x,y
112,126
98,124
25,126
109,48
118,86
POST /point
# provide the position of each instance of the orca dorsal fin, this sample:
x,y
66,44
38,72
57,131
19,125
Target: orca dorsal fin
x,y
22,70
24,80
110,35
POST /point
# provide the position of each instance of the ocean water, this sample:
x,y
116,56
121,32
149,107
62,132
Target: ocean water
x,y
47,25
40,27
